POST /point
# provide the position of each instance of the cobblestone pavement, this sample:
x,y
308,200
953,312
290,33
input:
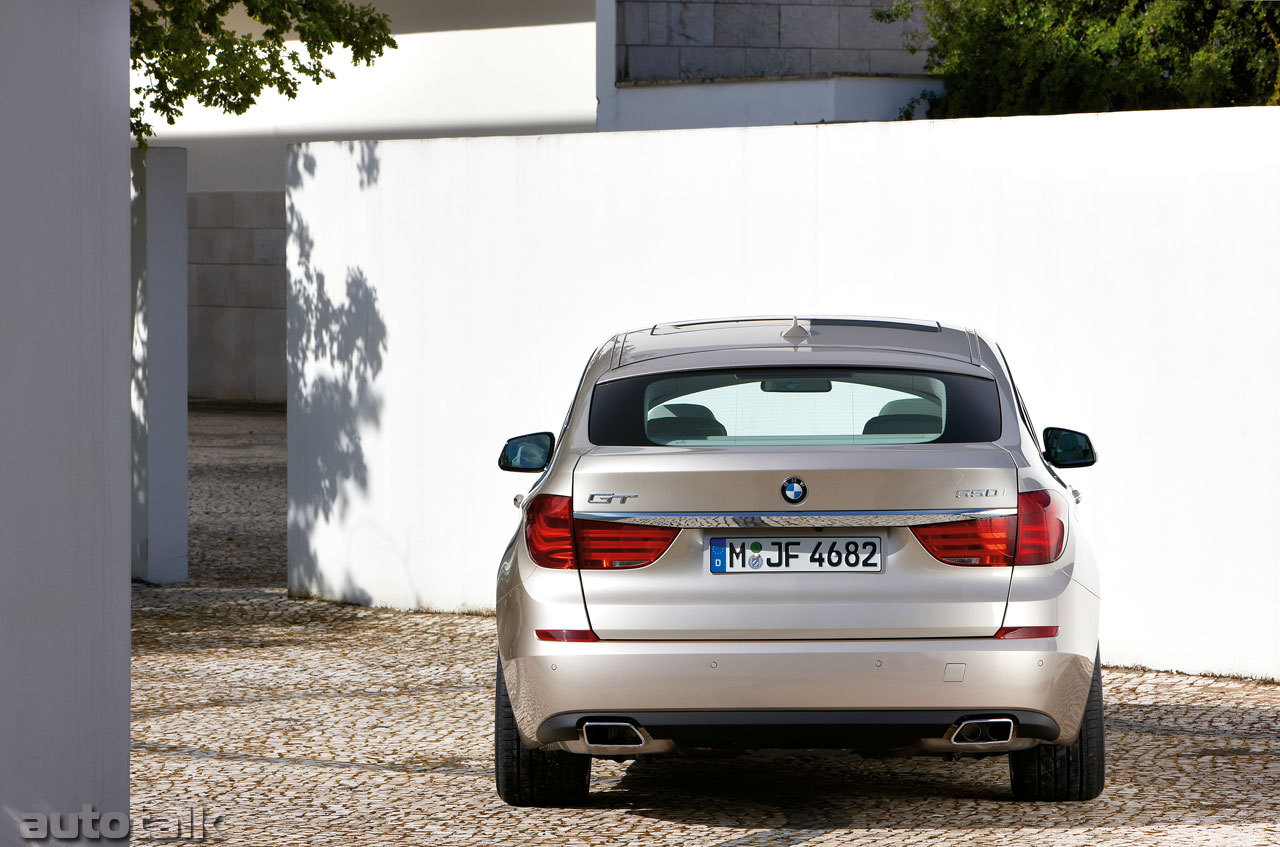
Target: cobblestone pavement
x,y
305,722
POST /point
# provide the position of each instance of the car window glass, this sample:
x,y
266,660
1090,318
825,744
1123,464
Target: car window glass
x,y
795,406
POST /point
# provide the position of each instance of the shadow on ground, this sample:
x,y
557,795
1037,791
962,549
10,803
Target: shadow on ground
x,y
1160,760
235,596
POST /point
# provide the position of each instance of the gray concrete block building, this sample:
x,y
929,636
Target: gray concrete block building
x,y
791,39
236,286
707,63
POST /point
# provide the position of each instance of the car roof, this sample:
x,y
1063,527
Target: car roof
x,y
817,334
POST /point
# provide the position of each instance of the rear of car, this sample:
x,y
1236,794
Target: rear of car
x,y
783,533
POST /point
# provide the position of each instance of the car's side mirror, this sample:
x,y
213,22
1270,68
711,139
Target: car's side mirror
x,y
527,453
1066,448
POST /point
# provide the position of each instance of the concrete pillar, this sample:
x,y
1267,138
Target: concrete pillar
x,y
64,431
159,381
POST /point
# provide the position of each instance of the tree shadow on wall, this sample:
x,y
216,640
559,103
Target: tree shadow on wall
x,y
335,353
368,165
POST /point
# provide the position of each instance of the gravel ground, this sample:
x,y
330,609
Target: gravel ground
x,y
306,722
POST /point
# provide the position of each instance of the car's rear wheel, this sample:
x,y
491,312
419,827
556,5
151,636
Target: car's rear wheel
x,y
528,777
1073,772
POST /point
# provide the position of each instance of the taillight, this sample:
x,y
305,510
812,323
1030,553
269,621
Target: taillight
x,y
556,540
1042,527
982,542
1035,536
602,544
548,530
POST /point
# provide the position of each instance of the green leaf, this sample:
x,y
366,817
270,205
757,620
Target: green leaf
x,y
186,51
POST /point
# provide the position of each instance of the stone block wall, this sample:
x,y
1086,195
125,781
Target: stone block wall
x,y
729,40
236,296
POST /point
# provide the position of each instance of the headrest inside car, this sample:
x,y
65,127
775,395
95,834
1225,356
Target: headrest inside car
x,y
682,428
902,424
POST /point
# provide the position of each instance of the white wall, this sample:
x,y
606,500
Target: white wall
x,y
64,431
491,81
159,377
1126,262
758,103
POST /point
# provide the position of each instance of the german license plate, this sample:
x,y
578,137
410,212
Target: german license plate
x,y
830,553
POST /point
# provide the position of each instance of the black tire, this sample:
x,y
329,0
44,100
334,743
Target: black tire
x,y
1074,772
528,777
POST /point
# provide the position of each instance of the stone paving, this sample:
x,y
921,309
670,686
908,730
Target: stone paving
x,y
305,722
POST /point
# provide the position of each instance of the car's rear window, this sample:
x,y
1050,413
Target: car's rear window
x,y
794,407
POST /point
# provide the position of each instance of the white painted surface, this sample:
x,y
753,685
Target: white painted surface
x,y
467,82
758,103
1125,261
64,459
159,379
752,103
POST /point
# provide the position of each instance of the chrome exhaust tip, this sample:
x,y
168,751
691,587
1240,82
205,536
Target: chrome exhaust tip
x,y
611,735
615,738
984,731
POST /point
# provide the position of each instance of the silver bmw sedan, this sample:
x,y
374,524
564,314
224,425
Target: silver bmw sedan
x,y
798,533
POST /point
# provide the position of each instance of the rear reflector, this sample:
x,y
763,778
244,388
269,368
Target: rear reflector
x,y
616,545
1027,632
982,542
565,635
556,540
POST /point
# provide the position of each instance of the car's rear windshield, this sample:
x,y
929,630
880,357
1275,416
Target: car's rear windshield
x,y
794,407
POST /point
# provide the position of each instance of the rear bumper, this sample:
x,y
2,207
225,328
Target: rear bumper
x,y
798,693
868,729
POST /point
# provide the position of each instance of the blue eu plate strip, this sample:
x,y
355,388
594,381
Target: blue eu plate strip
x,y
718,556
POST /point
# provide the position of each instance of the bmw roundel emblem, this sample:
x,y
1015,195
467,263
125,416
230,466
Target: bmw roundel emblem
x,y
794,490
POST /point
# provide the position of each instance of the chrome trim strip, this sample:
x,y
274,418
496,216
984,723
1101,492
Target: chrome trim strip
x,y
914,517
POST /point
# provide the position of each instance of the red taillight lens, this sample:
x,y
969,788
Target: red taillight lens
x,y
1027,632
552,535
602,544
982,542
574,635
1035,536
548,530
1042,527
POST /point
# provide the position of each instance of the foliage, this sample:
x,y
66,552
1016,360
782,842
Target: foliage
x,y
1018,57
186,49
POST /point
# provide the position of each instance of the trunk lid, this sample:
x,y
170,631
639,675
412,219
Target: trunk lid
x,y
734,495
